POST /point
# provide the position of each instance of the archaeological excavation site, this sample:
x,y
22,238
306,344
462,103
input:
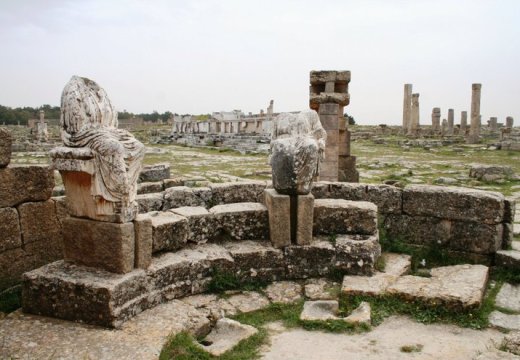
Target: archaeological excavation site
x,y
293,235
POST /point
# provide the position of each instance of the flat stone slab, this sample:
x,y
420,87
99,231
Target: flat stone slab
x,y
248,301
511,342
360,315
504,321
320,310
226,335
285,292
321,289
509,297
396,264
367,285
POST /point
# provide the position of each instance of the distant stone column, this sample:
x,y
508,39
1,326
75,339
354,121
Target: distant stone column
x,y
451,122
407,107
493,124
414,123
509,122
474,130
463,122
444,127
436,120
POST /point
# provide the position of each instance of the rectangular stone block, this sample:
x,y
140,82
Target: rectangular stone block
x,y
337,216
329,109
509,210
201,223
237,192
256,259
150,202
153,173
314,260
5,147
180,196
279,209
332,137
419,230
387,198
150,187
143,241
305,215
329,86
343,143
357,254
329,122
476,237
103,245
331,154
329,169
39,222
10,229
170,231
243,221
454,203
25,184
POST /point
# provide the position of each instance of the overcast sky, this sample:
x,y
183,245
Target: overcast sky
x,y
203,56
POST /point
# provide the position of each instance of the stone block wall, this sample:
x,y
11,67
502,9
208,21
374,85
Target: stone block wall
x,y
29,220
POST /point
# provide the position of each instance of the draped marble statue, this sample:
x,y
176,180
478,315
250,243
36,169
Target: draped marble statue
x,y
89,126
297,147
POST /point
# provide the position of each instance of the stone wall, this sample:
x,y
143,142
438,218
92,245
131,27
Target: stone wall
x,y
29,217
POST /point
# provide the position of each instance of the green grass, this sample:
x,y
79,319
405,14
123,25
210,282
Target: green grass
x,y
223,281
10,299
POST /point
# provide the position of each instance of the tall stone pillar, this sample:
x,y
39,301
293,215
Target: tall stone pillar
x,y
444,127
436,120
328,96
407,107
474,130
451,122
463,122
493,124
414,123
509,122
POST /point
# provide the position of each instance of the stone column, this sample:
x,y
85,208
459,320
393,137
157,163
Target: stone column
x,y
444,127
493,124
414,123
328,96
451,122
509,122
407,107
463,122
474,130
436,120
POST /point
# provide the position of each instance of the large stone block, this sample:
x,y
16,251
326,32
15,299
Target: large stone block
x,y
388,199
150,187
143,241
98,244
279,209
39,222
10,229
62,209
304,219
357,254
150,202
153,173
180,196
454,203
237,192
420,230
337,216
201,223
314,260
170,231
5,147
243,221
24,184
475,237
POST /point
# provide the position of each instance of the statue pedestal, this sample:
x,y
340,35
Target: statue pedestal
x,y
290,218
77,169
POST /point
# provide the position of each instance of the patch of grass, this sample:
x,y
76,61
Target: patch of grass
x,y
182,347
223,281
11,299
411,348
332,239
380,264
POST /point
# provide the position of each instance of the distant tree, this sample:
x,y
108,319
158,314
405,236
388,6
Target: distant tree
x,y
350,119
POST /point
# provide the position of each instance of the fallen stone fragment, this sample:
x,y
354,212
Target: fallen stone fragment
x,y
509,297
504,321
248,301
321,289
320,310
226,335
396,264
360,315
284,292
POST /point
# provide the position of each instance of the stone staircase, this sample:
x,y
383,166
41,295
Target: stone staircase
x,y
510,259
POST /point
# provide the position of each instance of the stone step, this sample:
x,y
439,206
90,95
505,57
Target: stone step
x,y
338,216
509,259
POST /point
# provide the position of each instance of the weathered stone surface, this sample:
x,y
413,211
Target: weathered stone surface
x,y
304,219
226,335
248,301
454,203
209,304
476,238
5,147
321,289
72,292
25,184
10,229
508,258
314,260
337,216
150,187
504,321
509,297
143,241
490,172
62,209
155,172
170,231
237,192
168,183
279,210
509,209
108,246
511,342
201,223
357,254
180,196
320,310
285,292
458,286
367,285
39,222
150,202
388,199
360,315
242,221
396,264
